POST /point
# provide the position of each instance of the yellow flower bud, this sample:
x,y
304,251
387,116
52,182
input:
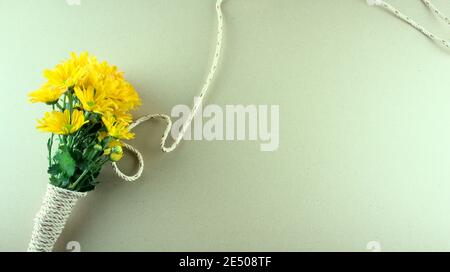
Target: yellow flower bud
x,y
117,149
98,147
116,156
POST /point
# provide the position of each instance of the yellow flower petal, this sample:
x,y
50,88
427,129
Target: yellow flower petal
x,y
62,123
46,94
93,100
117,129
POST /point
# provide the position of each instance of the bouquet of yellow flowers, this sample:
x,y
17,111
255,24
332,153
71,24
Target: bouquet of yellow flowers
x,y
90,114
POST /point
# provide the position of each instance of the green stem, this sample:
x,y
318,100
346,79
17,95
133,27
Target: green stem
x,y
59,107
73,185
96,166
100,163
50,145
70,103
64,101
69,96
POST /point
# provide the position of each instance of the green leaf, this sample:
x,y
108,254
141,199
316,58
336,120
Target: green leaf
x,y
54,181
64,181
77,155
54,170
83,165
66,162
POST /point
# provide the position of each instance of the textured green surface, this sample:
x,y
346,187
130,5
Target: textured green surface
x,y
364,132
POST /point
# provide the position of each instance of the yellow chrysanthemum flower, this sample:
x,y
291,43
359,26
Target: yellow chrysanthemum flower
x,y
98,73
117,129
106,71
93,100
84,59
106,78
64,76
123,116
92,76
62,122
124,96
105,86
46,94
99,87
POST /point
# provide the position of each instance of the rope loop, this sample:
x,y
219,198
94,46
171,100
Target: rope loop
x,y
167,119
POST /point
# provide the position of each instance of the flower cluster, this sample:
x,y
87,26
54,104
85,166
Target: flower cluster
x,y
91,103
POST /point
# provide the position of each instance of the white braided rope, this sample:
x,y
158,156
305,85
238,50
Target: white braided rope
x,y
51,218
414,24
436,10
167,119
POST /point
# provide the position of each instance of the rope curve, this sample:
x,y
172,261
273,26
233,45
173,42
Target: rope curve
x,y
413,23
167,119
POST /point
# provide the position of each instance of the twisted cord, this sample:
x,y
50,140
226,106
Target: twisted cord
x,y
167,119
436,10
50,220
413,23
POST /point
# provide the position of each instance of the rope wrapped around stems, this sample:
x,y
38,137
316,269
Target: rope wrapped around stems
x,y
51,218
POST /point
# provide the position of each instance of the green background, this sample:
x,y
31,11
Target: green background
x,y
364,125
